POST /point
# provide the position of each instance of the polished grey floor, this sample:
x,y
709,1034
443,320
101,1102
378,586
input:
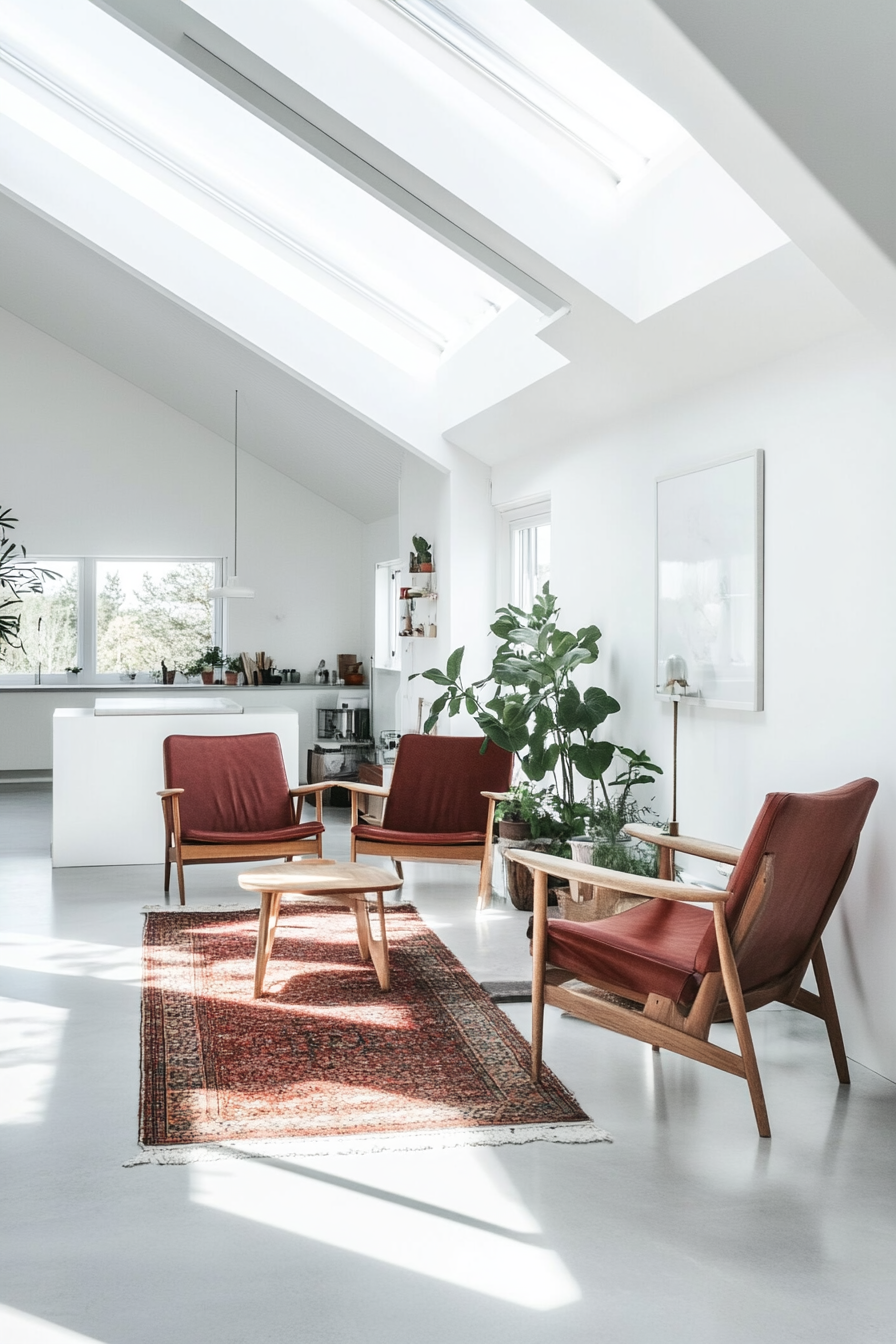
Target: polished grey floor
x,y
686,1228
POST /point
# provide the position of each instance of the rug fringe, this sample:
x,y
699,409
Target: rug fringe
x,y
349,1145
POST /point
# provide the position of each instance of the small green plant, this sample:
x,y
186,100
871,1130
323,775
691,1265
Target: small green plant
x,y
234,664
74,670
194,669
213,657
423,550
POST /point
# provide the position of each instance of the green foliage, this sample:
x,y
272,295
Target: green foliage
x,y
234,664
530,705
18,579
170,617
423,550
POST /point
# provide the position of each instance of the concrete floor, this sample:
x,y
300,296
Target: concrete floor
x,y
686,1228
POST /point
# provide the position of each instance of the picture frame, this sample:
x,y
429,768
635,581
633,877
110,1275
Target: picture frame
x,y
710,583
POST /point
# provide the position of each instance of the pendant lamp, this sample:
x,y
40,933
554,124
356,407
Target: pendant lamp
x,y
233,587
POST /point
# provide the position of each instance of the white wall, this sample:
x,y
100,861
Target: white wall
x,y
827,421
380,542
91,465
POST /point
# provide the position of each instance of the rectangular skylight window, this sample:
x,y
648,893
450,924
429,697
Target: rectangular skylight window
x,y
125,112
545,71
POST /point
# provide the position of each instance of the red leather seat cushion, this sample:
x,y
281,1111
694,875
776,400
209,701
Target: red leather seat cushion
x,y
284,833
650,949
383,837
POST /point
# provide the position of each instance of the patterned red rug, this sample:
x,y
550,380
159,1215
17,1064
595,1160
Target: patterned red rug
x,y
324,1055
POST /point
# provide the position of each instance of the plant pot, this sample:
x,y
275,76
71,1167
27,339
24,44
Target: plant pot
x,y
425,568
208,677
168,679
73,678
583,902
521,880
230,678
514,830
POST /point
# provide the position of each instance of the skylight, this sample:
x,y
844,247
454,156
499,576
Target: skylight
x,y
552,76
129,115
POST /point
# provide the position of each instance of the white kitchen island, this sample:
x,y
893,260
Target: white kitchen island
x,y
107,770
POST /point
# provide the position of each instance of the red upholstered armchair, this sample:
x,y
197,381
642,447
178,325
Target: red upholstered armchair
x,y
228,799
440,804
683,967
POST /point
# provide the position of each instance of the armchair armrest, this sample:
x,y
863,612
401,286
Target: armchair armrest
x,y
496,797
684,844
167,793
608,877
311,788
355,786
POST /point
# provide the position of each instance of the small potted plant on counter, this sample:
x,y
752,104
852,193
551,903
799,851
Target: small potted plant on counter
x,y
72,674
212,658
232,669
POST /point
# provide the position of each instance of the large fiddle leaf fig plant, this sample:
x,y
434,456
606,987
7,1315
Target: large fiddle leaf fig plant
x,y
529,704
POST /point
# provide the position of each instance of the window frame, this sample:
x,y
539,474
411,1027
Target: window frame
x,y
86,615
533,511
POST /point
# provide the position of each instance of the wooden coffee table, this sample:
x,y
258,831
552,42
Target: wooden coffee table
x,y
346,884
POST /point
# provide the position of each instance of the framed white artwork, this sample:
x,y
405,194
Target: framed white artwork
x,y
709,583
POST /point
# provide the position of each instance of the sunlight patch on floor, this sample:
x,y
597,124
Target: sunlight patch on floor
x,y
17,1327
454,1221
30,1037
69,956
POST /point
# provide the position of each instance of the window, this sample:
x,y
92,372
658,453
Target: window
x,y
525,551
112,617
48,623
386,651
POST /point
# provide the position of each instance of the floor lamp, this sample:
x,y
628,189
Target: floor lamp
x,y
676,685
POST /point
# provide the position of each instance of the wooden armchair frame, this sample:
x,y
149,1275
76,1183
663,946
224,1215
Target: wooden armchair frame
x,y
661,1022
481,854
182,852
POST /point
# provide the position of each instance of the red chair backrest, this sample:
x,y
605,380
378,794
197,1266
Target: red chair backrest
x,y
231,783
810,836
438,781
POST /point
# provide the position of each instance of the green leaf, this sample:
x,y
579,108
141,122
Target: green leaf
x,y
454,662
591,759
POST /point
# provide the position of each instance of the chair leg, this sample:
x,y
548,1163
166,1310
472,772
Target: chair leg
x,y
735,997
484,899
539,944
167,872
399,870
180,880
829,1012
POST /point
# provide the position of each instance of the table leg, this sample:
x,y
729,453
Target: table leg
x,y
379,947
363,923
267,927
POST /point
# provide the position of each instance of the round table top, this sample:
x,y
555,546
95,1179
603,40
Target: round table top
x,y
319,878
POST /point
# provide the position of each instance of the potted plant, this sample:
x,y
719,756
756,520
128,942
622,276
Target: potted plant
x,y
211,659
195,669
232,668
529,704
421,559
515,816
72,674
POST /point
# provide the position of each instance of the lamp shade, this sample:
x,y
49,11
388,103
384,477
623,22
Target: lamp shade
x,y
232,588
